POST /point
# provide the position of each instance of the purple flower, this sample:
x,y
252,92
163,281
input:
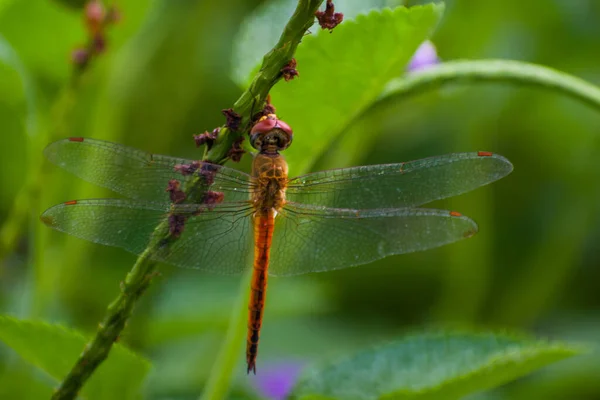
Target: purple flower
x,y
275,380
425,57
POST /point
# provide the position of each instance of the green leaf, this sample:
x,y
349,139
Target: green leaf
x,y
54,349
20,381
343,72
260,30
431,366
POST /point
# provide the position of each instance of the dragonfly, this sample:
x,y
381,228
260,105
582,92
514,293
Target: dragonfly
x,y
206,216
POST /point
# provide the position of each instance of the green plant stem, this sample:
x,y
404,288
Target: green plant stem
x,y
117,313
255,96
140,276
507,71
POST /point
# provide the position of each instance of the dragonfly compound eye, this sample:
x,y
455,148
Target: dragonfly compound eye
x,y
256,141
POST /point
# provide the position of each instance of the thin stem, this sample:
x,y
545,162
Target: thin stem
x,y
270,72
117,313
140,276
492,71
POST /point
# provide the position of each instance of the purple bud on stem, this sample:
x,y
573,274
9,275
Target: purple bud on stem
x,y
425,57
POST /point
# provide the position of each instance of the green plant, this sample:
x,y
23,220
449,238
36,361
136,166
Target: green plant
x,y
343,80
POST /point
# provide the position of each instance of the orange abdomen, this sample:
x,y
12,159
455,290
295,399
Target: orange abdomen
x,y
263,233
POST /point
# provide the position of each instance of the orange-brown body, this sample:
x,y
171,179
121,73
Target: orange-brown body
x,y
269,172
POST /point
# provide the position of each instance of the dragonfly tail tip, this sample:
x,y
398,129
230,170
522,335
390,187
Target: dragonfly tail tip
x,y
251,367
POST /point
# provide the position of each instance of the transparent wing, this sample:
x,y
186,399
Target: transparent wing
x,y
315,239
407,184
137,174
216,240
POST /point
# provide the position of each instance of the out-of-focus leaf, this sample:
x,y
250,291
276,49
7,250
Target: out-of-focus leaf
x,y
182,365
575,378
9,57
431,366
4,4
18,381
54,349
167,52
52,31
342,73
18,123
261,29
190,307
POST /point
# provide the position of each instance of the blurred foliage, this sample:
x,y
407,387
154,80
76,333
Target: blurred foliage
x,y
171,66
53,348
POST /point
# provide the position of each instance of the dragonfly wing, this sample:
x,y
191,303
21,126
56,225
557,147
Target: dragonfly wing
x,y
313,239
407,184
137,174
216,240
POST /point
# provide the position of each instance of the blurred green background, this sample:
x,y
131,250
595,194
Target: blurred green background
x,y
166,75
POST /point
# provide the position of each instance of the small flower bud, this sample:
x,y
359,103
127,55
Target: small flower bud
x,y
94,16
425,57
99,44
80,57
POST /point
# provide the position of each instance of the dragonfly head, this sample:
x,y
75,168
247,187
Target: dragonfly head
x,y
271,135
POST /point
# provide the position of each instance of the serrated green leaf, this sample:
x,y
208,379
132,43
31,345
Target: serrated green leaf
x,y
343,72
431,366
54,349
260,30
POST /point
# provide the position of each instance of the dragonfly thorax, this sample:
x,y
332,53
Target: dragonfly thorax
x,y
270,176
